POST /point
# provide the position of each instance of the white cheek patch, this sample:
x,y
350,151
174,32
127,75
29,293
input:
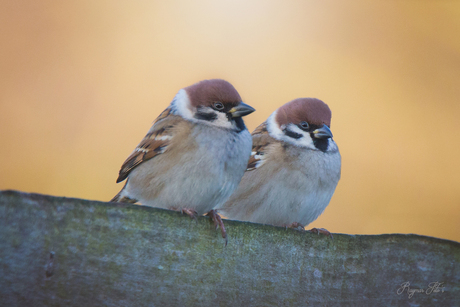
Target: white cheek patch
x,y
272,127
304,141
221,121
277,132
181,105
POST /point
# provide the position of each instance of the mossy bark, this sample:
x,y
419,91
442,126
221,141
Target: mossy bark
x,y
58,251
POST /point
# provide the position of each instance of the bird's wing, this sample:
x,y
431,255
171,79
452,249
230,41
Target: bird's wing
x,y
260,142
154,143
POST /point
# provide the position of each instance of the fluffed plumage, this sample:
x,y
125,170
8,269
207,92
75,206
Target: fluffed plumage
x,y
194,155
293,170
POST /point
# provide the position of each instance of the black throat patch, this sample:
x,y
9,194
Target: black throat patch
x,y
320,144
239,124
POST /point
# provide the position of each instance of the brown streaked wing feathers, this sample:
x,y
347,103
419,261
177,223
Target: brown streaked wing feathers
x,y
163,115
153,144
261,129
260,139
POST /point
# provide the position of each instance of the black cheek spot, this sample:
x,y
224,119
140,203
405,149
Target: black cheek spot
x,y
292,134
205,116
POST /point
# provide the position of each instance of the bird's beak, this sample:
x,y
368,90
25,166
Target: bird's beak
x,y
322,133
241,110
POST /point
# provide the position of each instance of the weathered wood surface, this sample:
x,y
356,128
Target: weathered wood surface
x,y
107,254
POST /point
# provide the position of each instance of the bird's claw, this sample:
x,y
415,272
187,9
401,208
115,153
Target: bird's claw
x,y
295,225
321,231
190,212
218,223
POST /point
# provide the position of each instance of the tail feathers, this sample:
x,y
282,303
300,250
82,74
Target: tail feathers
x,y
116,198
123,199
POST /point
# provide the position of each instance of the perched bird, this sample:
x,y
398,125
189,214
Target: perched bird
x,y
194,155
293,170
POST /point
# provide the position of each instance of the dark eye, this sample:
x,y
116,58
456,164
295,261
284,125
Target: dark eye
x,y
218,106
304,125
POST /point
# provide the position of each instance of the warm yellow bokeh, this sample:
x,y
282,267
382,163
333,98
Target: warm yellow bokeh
x,y
81,82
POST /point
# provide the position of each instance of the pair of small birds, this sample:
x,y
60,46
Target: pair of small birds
x,y
198,156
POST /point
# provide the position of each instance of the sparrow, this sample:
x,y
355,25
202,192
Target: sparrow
x,y
293,170
194,155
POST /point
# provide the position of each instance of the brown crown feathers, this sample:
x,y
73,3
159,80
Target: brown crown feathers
x,y
311,110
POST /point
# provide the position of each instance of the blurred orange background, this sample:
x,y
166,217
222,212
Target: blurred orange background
x,y
82,81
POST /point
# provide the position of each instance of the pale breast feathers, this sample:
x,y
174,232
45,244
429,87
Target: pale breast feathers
x,y
154,143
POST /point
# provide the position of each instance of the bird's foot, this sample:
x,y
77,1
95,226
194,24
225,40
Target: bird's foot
x,y
295,225
218,223
190,212
321,231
